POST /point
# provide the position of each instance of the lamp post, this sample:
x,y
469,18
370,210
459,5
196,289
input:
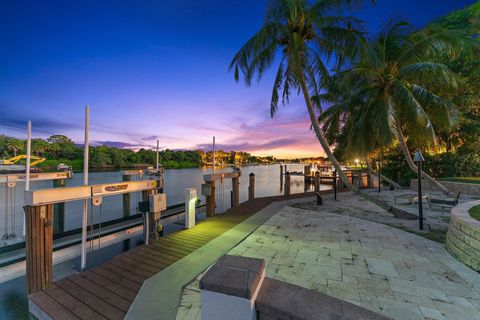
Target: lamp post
x,y
379,178
419,159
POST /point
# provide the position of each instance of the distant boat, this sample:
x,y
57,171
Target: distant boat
x,y
151,171
64,167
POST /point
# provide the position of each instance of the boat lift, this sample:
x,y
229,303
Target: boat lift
x,y
39,218
209,188
10,182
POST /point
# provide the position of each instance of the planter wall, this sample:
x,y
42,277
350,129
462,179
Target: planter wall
x,y
463,236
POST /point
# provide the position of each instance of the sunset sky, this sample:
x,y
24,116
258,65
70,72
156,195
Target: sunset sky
x,y
155,70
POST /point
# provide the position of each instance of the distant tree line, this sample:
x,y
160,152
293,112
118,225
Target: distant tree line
x,y
61,149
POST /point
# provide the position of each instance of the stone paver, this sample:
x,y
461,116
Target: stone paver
x,y
381,268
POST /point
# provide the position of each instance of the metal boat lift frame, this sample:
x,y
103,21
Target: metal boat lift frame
x,y
39,214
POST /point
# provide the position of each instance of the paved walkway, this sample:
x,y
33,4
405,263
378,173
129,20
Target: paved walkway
x,y
381,268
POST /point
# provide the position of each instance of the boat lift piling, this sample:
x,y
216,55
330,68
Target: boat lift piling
x,y
83,259
126,197
209,187
27,166
39,221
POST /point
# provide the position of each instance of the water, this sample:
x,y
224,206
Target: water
x,y
13,300
267,183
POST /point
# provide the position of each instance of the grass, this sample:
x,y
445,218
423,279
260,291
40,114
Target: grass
x,y
474,180
475,212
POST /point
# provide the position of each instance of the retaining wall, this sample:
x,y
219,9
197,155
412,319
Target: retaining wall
x,y
463,236
463,188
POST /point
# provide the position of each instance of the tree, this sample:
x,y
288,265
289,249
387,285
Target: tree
x,y
301,35
63,147
15,146
40,147
398,90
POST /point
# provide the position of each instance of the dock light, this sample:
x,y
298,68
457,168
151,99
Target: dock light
x,y
357,161
419,159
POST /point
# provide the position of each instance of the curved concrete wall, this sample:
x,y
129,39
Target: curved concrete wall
x,y
463,236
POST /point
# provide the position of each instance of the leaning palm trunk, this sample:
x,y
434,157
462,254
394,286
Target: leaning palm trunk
x,y
382,177
321,138
323,142
411,164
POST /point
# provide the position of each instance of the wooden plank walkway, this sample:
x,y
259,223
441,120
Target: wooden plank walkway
x,y
107,291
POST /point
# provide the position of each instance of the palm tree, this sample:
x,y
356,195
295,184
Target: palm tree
x,y
300,36
396,92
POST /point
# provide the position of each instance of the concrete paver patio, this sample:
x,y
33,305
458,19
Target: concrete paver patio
x,y
384,269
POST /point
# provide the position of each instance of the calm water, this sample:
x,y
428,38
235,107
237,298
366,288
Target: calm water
x,y
267,183
13,302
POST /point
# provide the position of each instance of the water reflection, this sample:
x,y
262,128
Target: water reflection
x,y
267,183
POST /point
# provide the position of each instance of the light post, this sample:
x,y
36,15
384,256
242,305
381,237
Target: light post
x,y
356,162
379,178
419,159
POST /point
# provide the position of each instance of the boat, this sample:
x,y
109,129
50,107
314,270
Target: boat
x,y
64,167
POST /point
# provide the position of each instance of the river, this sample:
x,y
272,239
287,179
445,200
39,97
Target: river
x,y
267,183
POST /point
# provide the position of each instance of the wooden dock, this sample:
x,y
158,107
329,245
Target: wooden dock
x,y
107,291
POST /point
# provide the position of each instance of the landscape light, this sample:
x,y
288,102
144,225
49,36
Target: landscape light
x,y
419,159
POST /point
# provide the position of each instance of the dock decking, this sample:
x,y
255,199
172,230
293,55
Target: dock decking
x,y
107,291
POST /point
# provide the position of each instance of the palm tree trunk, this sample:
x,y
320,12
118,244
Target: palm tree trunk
x,y
387,179
323,142
413,166
321,138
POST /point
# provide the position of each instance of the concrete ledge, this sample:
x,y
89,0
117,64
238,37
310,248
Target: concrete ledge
x,y
284,301
463,236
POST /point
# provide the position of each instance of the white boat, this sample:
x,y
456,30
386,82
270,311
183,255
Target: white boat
x,y
64,167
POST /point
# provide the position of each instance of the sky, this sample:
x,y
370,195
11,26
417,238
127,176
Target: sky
x,y
156,70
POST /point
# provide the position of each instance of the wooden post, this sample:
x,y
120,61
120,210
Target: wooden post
x,y
147,218
287,183
38,247
281,177
317,181
251,185
211,200
126,198
235,192
59,209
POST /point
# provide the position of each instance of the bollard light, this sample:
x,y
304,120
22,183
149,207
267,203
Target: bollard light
x,y
419,159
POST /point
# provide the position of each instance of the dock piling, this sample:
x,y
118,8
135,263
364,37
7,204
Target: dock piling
x,y
317,181
126,198
210,199
235,191
38,244
287,184
59,209
251,185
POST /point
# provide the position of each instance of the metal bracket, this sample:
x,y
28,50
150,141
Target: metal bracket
x,y
97,201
